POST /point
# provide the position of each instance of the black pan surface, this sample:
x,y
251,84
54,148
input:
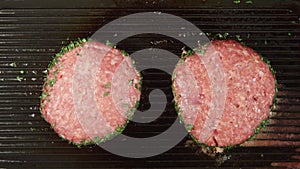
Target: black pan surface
x,y
31,32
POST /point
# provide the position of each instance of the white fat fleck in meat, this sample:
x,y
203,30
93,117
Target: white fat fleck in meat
x,y
108,72
260,73
135,81
245,53
114,61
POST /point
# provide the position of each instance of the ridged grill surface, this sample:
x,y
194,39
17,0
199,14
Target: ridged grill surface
x,y
30,37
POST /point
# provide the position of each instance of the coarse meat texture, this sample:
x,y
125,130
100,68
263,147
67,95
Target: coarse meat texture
x,y
90,93
250,84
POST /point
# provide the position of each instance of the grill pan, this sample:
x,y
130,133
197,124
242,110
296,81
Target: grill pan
x,y
31,32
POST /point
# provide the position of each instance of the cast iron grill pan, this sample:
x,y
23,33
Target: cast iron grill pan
x,y
30,37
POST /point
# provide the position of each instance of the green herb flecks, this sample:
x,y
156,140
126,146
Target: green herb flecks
x,y
53,62
97,139
52,82
107,85
266,42
19,78
125,105
106,93
262,125
238,37
22,72
200,50
249,2
108,43
109,136
65,49
188,53
130,112
289,33
52,127
293,22
221,36
44,95
225,35
258,129
275,101
177,109
196,140
139,85
189,127
208,146
72,45
174,75
106,137
56,71
276,83
137,104
181,120
236,1
130,82
248,35
269,64
124,53
120,129
87,142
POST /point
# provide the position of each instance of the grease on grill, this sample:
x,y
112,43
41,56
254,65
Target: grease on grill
x,y
217,153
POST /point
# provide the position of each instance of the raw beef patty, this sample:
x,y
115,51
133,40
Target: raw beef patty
x,y
250,92
90,92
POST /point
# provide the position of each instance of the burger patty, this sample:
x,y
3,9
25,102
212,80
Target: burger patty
x,y
90,92
250,90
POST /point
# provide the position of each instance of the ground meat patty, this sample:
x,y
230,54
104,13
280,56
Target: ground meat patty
x,y
250,92
90,91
